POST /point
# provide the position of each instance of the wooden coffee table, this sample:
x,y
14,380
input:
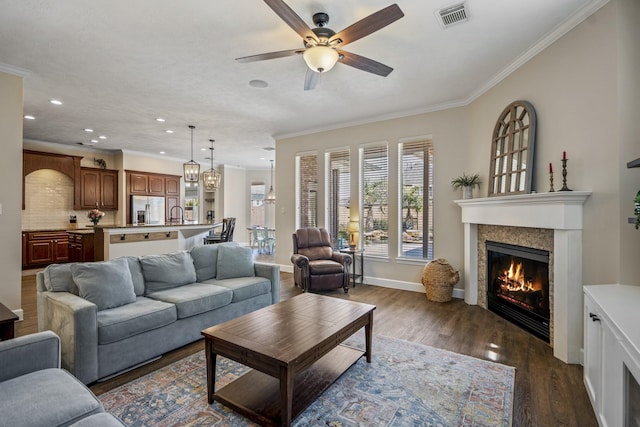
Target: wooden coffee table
x,y
291,345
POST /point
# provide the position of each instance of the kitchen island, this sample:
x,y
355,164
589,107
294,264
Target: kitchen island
x,y
136,240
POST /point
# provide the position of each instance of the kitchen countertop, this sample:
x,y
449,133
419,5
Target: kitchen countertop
x,y
51,230
84,229
168,224
81,231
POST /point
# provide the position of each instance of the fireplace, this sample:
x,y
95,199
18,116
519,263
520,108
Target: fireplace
x,y
560,214
518,286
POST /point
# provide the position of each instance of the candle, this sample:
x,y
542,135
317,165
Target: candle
x,y
564,155
550,168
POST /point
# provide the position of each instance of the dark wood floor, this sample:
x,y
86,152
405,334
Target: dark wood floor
x,y
547,391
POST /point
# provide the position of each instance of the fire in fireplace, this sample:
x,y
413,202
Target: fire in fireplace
x,y
518,286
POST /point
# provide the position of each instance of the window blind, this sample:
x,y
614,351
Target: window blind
x,y
307,190
339,196
374,204
416,204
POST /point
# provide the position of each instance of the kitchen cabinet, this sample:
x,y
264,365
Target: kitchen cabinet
x,y
153,184
172,195
611,356
98,188
81,246
45,247
172,185
145,184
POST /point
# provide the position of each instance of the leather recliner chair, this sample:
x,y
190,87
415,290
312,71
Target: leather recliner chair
x,y
316,266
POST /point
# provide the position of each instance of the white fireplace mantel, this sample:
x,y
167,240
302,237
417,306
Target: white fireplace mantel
x,y
560,211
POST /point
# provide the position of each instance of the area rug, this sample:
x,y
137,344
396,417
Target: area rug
x,y
407,384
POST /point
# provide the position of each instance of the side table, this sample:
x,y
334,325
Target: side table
x,y
353,254
7,319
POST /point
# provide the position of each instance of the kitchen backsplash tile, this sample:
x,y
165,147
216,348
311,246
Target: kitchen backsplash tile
x,y
49,202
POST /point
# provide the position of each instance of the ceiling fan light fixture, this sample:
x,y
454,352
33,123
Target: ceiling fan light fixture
x,y
320,58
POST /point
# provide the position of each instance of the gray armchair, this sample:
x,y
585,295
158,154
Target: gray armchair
x,y
30,371
316,266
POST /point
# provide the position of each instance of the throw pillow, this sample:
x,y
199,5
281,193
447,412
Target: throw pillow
x,y
107,284
205,260
234,261
58,278
167,271
136,275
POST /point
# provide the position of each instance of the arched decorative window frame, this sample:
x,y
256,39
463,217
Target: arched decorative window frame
x,y
512,150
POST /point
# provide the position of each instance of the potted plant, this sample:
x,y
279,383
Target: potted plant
x,y
467,183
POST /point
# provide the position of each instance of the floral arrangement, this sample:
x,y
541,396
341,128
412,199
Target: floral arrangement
x,y
95,215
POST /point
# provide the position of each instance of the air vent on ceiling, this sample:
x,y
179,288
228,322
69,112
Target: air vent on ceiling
x,y
452,15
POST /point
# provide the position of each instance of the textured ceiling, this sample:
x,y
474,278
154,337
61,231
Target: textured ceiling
x,y
117,65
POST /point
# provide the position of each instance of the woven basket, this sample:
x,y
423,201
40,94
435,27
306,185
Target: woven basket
x,y
438,279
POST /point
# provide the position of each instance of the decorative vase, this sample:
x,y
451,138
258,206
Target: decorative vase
x,y
467,192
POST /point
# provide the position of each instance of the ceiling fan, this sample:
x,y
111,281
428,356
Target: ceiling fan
x,y
323,46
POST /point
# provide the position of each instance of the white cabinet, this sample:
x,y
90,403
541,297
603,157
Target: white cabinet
x,y
593,353
611,349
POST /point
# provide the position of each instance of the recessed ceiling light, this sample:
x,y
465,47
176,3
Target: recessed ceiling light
x,y
55,101
159,119
162,152
88,130
168,131
258,83
94,141
29,117
203,149
102,137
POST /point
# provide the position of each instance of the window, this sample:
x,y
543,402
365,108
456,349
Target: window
x,y
257,204
339,195
374,204
306,190
416,180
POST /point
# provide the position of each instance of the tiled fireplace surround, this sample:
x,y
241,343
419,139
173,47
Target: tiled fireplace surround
x,y
548,221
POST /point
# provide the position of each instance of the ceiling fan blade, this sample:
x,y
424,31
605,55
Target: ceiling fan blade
x,y
368,25
270,55
311,79
364,64
291,18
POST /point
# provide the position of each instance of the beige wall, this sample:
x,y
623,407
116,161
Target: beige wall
x,y
449,134
584,88
572,85
628,16
11,88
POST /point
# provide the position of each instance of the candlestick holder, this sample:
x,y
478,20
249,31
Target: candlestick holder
x,y
551,189
564,176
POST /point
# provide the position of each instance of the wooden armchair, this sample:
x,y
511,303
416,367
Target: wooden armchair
x,y
316,266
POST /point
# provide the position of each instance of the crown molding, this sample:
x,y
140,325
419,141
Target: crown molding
x,y
562,29
16,71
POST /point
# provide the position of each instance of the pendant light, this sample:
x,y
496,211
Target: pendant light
x,y
271,195
211,178
191,168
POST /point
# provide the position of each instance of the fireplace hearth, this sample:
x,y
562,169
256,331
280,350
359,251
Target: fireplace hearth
x,y
518,286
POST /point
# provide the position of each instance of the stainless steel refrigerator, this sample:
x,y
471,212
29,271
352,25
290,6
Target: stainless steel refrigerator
x,y
147,210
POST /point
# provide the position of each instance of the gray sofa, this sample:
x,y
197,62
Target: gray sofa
x,y
35,392
114,315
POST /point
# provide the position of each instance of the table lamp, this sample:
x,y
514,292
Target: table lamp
x,y
353,228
